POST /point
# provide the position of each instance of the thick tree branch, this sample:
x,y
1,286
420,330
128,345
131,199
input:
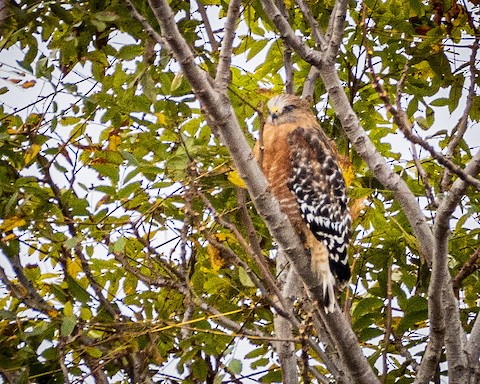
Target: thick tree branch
x,y
473,345
286,33
441,282
309,84
336,28
219,113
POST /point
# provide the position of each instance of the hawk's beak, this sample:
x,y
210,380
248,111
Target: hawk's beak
x,y
274,112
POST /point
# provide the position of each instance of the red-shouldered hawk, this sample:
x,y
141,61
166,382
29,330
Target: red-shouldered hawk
x,y
302,170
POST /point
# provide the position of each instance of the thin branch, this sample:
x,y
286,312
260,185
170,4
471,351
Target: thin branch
x,y
289,73
223,75
424,177
316,32
146,25
418,164
388,324
208,28
26,293
287,33
461,127
468,268
401,120
287,55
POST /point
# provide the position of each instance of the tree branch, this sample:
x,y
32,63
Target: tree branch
x,y
219,113
317,33
309,84
287,34
223,76
336,28
468,268
441,282
461,127
208,28
401,119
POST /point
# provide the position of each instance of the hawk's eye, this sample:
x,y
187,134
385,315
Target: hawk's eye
x,y
289,108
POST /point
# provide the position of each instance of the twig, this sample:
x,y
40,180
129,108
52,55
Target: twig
x,y
468,268
388,324
421,170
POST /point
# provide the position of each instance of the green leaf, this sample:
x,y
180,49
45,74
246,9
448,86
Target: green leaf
x,y
235,366
199,369
94,352
130,52
244,278
68,325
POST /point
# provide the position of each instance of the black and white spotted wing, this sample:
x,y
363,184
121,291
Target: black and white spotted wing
x,y
319,187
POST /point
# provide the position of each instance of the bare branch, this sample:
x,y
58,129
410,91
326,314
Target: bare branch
x,y
286,33
208,28
289,73
219,113
473,344
441,282
222,77
336,28
283,327
26,293
424,177
388,324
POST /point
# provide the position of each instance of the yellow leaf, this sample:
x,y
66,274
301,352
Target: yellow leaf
x,y
214,257
235,179
11,223
9,237
347,169
161,118
29,84
31,153
74,267
113,142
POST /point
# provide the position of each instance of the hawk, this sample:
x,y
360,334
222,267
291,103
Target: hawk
x,y
302,170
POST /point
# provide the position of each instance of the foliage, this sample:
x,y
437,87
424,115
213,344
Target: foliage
x,y
124,223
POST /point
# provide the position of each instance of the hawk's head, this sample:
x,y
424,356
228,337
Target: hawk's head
x,y
286,108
